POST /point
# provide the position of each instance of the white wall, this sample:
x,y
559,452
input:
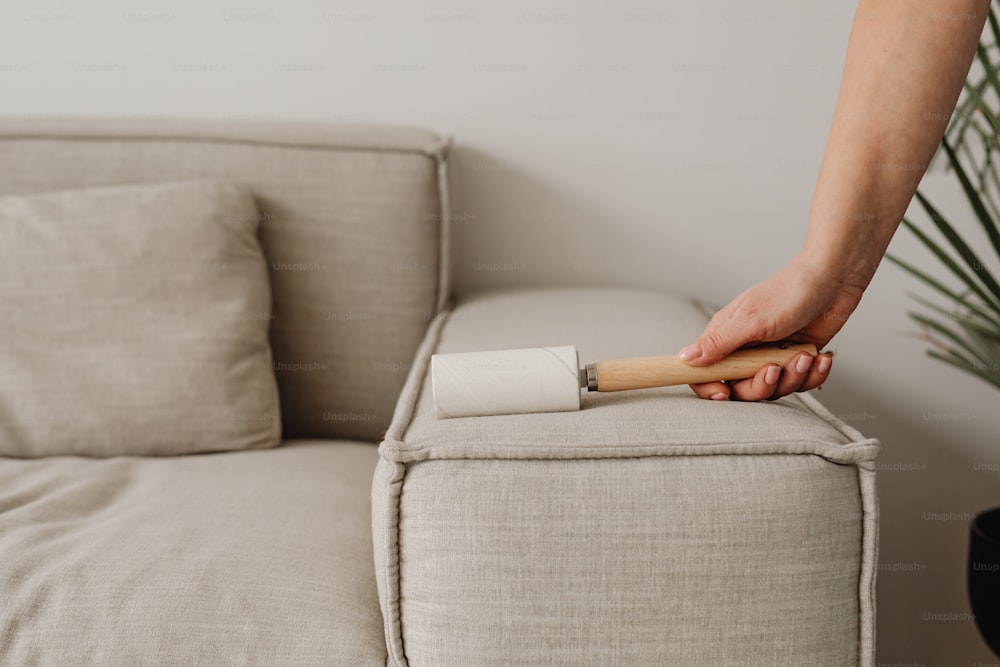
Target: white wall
x,y
671,145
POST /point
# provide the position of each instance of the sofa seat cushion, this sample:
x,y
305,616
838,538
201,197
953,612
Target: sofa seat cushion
x,y
649,528
259,557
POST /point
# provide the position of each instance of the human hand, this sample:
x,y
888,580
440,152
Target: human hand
x,y
801,303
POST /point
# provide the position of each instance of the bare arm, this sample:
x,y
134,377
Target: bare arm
x,y
906,63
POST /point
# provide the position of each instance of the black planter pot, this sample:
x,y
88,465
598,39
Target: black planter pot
x,y
984,575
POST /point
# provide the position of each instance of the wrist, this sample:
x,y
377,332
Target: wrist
x,y
847,247
850,267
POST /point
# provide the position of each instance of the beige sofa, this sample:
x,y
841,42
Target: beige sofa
x,y
650,528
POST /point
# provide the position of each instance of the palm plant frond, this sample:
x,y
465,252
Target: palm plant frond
x,y
956,297
965,333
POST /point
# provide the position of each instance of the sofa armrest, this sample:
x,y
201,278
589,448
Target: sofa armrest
x,y
649,528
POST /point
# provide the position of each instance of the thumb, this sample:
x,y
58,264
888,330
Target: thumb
x,y
720,338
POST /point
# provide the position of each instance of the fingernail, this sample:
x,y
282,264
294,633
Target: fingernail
x,y
824,363
719,397
689,352
804,363
772,375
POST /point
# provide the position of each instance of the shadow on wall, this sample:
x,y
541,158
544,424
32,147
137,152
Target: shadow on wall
x,y
511,227
928,493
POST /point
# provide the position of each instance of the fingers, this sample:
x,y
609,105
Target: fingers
x,y
819,372
726,332
713,345
760,387
794,374
716,391
802,373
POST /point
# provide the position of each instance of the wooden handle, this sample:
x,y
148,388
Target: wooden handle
x,y
664,371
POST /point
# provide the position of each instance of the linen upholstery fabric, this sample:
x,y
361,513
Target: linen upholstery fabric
x,y
135,322
258,557
353,222
649,528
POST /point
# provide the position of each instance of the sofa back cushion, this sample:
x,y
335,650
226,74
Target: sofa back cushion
x,y
352,225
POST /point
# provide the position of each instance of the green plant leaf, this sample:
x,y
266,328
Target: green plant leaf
x,y
976,87
941,329
963,112
981,346
990,347
990,144
963,116
981,171
959,360
991,73
969,339
961,247
991,17
949,354
986,175
952,265
989,139
988,328
937,285
965,366
980,105
977,205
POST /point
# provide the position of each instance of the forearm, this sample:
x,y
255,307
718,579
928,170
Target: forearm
x,y
906,63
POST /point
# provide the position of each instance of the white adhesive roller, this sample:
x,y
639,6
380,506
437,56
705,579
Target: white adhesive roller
x,y
538,379
548,379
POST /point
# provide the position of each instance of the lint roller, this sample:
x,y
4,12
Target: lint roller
x,y
549,379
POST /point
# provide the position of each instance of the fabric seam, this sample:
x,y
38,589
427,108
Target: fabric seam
x,y
444,227
399,564
434,153
409,454
414,385
867,602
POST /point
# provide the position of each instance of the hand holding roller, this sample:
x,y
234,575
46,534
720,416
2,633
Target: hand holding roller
x,y
548,379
